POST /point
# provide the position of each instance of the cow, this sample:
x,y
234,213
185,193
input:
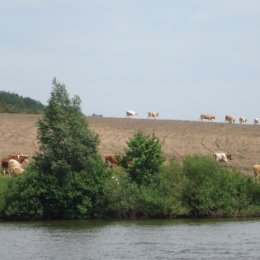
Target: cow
x,y
152,115
131,113
222,157
256,170
19,158
230,119
256,120
14,168
111,160
207,116
242,120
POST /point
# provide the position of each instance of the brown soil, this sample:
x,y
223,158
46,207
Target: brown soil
x,y
180,138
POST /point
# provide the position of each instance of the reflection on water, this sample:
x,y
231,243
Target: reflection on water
x,y
150,239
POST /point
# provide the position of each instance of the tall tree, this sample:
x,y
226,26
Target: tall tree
x,y
66,142
67,177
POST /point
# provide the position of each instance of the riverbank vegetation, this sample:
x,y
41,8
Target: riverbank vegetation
x,y
69,180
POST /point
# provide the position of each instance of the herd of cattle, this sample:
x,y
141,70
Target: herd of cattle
x,y
14,164
132,114
112,160
228,118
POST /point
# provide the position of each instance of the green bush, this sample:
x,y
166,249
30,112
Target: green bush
x,y
121,195
169,184
4,180
196,187
23,199
160,198
212,190
143,157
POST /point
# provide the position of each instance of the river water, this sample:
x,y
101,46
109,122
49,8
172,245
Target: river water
x,y
149,239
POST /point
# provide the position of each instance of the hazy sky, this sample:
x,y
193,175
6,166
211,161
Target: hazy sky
x,y
178,57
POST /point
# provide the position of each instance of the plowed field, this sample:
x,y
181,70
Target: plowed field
x,y
180,138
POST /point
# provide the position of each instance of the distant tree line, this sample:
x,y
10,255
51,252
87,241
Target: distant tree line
x,y
13,103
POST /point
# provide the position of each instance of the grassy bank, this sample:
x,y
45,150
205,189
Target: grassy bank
x,y
196,187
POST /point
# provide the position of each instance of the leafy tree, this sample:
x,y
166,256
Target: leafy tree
x,y
68,173
143,157
66,142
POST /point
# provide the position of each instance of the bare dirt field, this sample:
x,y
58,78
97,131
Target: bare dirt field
x,y
180,138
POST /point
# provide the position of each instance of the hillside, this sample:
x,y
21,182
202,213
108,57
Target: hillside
x,y
180,138
13,103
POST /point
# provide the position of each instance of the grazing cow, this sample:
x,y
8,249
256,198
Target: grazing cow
x,y
111,160
230,119
222,157
131,113
152,114
242,120
256,170
19,158
14,168
256,120
207,116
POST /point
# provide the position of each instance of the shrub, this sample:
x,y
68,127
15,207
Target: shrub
x,y
212,190
23,199
160,198
169,184
143,157
4,180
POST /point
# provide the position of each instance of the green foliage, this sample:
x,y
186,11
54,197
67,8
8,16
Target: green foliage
x,y
13,103
169,184
212,190
66,142
122,197
198,187
67,177
143,157
4,180
160,198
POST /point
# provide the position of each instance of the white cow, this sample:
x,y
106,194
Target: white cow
x,y
222,157
14,167
256,120
131,113
242,120
152,114
256,170
231,119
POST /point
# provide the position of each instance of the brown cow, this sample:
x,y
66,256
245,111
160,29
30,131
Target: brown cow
x,y
207,116
111,160
19,158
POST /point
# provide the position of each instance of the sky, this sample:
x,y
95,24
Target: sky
x,y
179,58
